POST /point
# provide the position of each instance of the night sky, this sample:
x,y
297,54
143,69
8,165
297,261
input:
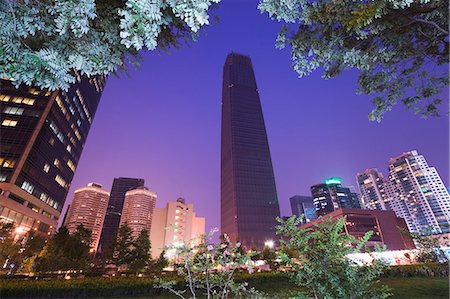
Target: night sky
x,y
163,123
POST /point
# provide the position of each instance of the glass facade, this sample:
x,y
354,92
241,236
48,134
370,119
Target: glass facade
x,y
249,203
331,195
42,136
303,205
114,211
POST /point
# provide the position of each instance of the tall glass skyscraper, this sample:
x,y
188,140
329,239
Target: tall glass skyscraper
x,y
249,203
42,136
114,212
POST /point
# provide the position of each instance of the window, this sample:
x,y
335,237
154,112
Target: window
x,y
69,148
9,123
56,163
4,98
46,167
71,165
13,110
8,163
60,181
27,187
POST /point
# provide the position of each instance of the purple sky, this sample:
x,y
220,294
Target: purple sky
x,y
163,123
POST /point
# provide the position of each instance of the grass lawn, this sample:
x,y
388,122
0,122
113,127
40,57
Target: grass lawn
x,y
402,288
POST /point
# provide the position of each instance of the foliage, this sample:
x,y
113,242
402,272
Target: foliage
x,y
65,251
157,266
269,255
322,266
50,44
122,254
9,248
418,270
141,257
208,268
400,47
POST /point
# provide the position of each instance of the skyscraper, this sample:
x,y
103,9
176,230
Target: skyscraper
x,y
249,203
303,205
375,190
113,213
138,210
331,195
42,136
419,195
88,207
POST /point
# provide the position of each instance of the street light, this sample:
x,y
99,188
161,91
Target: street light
x,y
269,243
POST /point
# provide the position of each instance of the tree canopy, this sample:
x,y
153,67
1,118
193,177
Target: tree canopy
x,y
400,47
51,43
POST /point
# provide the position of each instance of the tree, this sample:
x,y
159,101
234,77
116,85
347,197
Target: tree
x,y
322,266
33,246
122,254
208,270
140,253
9,248
49,44
269,255
400,47
65,251
158,265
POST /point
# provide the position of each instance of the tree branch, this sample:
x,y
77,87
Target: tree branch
x,y
432,24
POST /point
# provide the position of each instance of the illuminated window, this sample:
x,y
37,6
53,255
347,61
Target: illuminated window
x,y
27,187
3,177
51,141
60,181
71,165
4,98
69,148
56,163
46,167
13,110
9,123
9,163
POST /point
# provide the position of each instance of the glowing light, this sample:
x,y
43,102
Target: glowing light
x,y
20,230
333,181
269,243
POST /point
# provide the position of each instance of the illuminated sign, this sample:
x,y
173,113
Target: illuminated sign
x,y
333,181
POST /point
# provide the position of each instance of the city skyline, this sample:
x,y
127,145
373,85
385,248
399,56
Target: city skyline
x,y
166,133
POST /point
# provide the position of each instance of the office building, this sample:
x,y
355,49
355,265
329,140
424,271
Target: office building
x,y
42,136
249,203
375,190
331,195
388,229
119,187
138,210
303,205
88,207
175,224
419,195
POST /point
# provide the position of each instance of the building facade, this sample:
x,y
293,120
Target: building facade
x,y
331,195
375,190
175,224
303,205
419,195
119,187
249,203
138,209
42,136
88,207
388,229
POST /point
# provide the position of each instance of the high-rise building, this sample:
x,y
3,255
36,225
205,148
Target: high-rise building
x,y
249,203
138,210
119,187
175,224
42,136
331,195
419,195
303,205
88,207
375,190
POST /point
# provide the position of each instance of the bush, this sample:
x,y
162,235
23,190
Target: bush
x,y
420,270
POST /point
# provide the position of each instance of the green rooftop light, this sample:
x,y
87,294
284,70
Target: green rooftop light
x,y
333,181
